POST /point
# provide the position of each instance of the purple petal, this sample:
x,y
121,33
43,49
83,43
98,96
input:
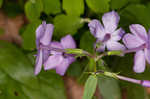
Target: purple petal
x,y
139,62
46,38
139,31
71,59
110,21
46,54
147,55
101,48
61,69
146,83
96,29
39,62
132,41
148,42
113,45
56,45
39,32
68,42
53,61
117,35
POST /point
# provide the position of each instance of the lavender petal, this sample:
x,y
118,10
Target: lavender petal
x,y
110,21
139,31
139,62
46,54
39,62
61,69
46,38
113,45
146,83
148,42
147,55
56,45
53,62
117,35
96,29
68,42
70,59
101,48
39,33
131,41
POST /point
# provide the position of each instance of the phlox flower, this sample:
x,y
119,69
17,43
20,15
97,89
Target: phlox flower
x,y
59,60
43,38
139,41
51,54
107,33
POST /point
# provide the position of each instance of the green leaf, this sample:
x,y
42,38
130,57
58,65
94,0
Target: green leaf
x,y
16,66
117,4
109,88
73,7
17,80
51,6
75,69
136,92
66,24
87,39
98,6
90,87
33,9
29,35
136,14
52,85
1,2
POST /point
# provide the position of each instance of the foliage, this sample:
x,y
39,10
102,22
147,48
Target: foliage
x,y
17,80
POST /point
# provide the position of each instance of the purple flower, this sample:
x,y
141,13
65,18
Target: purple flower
x,y
43,37
107,34
59,60
139,40
51,54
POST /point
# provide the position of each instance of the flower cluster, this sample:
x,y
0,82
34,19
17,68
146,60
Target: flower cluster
x,y
108,36
51,53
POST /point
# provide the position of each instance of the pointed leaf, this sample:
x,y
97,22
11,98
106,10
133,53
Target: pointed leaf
x,y
51,6
98,6
90,87
74,7
17,79
33,9
66,24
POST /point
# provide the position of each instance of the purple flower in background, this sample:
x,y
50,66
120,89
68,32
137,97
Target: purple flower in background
x,y
59,60
43,37
107,34
138,41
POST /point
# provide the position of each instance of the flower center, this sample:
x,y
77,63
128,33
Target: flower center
x,y
106,37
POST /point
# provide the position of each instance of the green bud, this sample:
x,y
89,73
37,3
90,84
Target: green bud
x,y
113,75
74,51
119,53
